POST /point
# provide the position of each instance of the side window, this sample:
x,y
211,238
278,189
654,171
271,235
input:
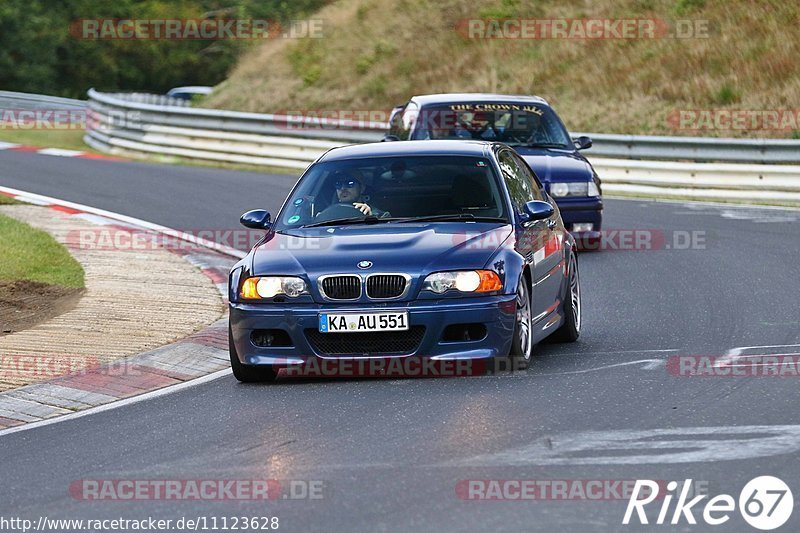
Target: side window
x,y
518,186
394,119
402,123
530,178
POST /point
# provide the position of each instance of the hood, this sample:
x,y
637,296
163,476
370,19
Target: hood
x,y
556,165
411,248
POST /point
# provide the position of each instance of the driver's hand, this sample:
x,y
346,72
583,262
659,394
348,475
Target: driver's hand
x,y
364,208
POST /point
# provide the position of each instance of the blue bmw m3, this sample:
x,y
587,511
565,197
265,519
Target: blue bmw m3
x,y
443,250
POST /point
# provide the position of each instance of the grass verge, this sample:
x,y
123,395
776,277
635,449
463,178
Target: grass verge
x,y
65,139
33,255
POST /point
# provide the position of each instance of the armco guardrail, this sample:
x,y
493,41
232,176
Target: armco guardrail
x,y
160,110
122,124
775,184
135,124
766,151
14,100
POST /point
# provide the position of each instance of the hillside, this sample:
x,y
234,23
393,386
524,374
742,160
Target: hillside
x,y
376,54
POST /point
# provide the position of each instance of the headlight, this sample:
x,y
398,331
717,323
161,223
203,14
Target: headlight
x,y
270,286
463,281
561,189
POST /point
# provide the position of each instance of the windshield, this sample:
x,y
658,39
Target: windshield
x,y
513,124
391,189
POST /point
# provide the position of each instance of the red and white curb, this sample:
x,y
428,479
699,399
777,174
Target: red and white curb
x,y
113,218
58,152
161,370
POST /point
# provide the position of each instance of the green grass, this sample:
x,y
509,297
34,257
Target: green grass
x,y
66,139
34,255
5,200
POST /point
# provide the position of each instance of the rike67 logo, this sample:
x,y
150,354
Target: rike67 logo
x,y
765,503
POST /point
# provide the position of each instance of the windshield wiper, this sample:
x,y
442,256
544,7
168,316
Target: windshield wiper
x,y
370,219
444,218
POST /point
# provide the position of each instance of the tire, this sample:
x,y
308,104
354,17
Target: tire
x,y
248,373
522,340
570,330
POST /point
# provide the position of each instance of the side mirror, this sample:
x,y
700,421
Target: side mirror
x,y
582,143
388,138
256,219
537,210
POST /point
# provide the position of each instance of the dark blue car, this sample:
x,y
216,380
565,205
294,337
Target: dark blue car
x,y
445,250
527,124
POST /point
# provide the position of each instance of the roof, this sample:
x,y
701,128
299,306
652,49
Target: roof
x,y
465,98
408,148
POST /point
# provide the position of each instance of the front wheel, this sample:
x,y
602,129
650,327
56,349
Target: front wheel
x,y
248,373
570,330
522,342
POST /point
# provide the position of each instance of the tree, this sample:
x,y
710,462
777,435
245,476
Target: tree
x,y
39,54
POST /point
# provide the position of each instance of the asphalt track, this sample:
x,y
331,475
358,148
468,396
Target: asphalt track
x,y
390,453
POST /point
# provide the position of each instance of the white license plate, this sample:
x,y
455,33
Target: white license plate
x,y
357,322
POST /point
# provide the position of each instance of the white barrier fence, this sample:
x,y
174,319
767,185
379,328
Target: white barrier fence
x,y
778,184
128,125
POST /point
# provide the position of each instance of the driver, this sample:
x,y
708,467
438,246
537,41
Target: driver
x,y
476,125
350,190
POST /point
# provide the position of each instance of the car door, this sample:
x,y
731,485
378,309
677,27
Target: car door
x,y
539,238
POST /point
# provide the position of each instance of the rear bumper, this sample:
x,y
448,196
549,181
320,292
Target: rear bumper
x,y
434,315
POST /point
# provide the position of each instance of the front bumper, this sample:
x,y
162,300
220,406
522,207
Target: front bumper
x,y
494,312
582,210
